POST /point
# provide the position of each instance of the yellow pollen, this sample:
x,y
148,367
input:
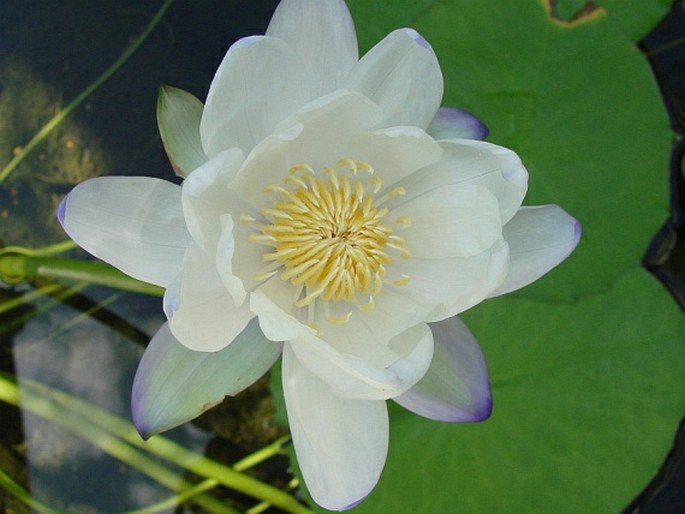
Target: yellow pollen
x,y
328,236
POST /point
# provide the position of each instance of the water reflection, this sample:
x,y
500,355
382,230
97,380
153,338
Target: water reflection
x,y
79,355
88,345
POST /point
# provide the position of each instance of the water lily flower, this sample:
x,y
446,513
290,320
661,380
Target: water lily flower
x,y
330,213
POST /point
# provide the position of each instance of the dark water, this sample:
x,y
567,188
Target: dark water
x,y
89,344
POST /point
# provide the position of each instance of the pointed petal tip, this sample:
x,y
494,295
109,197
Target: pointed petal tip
x,y
484,409
353,504
61,210
454,123
143,430
246,42
578,232
418,38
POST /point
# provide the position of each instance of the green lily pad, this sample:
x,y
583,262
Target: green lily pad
x,y
586,405
587,363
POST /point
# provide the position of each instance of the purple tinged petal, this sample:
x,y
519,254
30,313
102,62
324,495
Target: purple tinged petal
x,y
61,210
174,384
456,387
136,224
418,38
453,123
401,75
540,237
341,444
246,42
578,232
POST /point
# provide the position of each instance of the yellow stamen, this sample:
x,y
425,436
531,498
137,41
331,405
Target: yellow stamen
x,y
328,236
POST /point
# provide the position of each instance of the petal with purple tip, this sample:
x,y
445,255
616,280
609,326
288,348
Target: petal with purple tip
x,y
341,444
135,224
402,75
452,123
174,384
540,238
456,387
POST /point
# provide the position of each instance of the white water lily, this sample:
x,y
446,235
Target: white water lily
x,y
318,219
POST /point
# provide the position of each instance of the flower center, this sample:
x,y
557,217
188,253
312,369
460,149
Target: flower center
x,y
328,235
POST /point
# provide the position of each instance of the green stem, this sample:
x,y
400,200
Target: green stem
x,y
262,454
173,452
181,497
84,428
16,267
60,116
28,296
23,495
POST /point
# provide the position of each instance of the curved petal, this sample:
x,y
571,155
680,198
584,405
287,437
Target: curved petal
x,y
341,444
260,82
456,220
133,223
319,135
452,123
465,161
272,302
540,237
402,75
204,197
224,260
372,372
206,318
395,152
453,284
178,118
456,387
510,163
322,34
174,384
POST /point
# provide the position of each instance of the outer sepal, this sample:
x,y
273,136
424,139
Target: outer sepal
x,y
178,118
456,387
174,384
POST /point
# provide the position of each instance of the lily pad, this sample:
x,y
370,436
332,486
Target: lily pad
x,y
586,364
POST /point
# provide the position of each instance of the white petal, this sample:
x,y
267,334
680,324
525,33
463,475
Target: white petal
x,y
393,313
370,371
237,256
402,75
206,318
224,260
457,220
396,152
453,284
272,302
178,117
465,161
322,33
318,135
452,123
174,384
205,197
133,223
260,82
341,444
456,387
540,237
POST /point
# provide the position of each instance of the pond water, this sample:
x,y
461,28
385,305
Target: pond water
x,y
83,341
